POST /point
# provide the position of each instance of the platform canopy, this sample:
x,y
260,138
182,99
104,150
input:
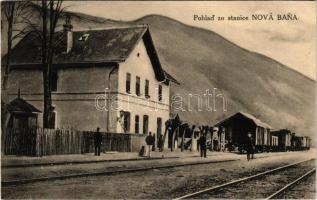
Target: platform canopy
x,y
255,120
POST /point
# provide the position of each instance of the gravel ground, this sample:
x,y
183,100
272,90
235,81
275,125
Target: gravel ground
x,y
262,187
306,189
8,174
162,183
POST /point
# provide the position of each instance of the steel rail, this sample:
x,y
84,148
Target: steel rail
x,y
191,195
106,173
277,193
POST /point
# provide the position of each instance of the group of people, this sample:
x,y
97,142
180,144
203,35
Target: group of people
x,y
150,142
150,145
249,146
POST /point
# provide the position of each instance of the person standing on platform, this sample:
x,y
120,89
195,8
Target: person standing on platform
x,y
98,141
149,142
203,146
249,147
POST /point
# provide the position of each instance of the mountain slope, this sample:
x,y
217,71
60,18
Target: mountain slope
x,y
201,59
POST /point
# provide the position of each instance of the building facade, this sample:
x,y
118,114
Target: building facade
x,y
110,78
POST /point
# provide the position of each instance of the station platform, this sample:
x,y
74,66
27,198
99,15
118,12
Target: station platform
x,y
25,161
11,161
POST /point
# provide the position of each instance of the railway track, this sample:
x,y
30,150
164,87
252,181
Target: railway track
x,y
288,186
105,173
9,182
232,187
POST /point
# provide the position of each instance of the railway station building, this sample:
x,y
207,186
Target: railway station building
x,y
110,78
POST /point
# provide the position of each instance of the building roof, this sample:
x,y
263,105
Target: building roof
x,y
171,78
282,131
255,120
90,47
21,106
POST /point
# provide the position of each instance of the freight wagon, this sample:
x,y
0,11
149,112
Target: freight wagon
x,y
300,143
283,140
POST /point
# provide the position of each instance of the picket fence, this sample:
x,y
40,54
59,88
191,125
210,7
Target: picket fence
x,y
42,142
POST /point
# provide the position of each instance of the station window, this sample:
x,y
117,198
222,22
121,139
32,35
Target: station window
x,y
147,83
159,126
137,123
160,96
128,83
137,86
52,121
54,79
126,121
145,124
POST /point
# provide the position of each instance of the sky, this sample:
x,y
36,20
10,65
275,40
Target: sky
x,y
291,42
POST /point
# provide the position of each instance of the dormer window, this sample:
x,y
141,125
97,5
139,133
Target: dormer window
x,y
84,37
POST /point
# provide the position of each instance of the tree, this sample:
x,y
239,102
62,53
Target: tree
x,y
13,12
50,12
18,12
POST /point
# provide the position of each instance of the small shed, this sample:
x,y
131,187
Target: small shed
x,y
21,114
19,120
237,127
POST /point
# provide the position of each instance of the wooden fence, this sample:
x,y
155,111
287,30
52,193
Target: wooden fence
x,y
42,142
20,141
55,142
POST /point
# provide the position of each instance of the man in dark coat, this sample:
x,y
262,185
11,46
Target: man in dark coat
x,y
249,146
149,142
98,140
203,145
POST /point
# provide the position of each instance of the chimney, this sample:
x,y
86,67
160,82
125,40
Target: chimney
x,y
68,27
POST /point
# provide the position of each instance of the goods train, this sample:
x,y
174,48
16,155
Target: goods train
x,y
232,133
277,141
234,130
